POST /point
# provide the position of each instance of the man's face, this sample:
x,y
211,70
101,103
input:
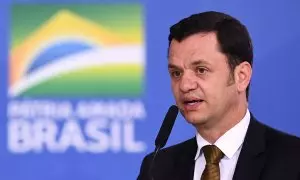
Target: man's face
x,y
202,84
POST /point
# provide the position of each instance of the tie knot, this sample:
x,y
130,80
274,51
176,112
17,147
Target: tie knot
x,y
212,154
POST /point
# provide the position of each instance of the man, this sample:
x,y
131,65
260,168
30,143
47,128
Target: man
x,y
210,64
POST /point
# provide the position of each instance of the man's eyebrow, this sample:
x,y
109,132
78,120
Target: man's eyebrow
x,y
194,63
172,66
200,62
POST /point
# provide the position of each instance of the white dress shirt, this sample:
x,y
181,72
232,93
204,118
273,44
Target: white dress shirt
x,y
230,144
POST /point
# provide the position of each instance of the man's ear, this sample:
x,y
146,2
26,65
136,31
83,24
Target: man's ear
x,y
242,75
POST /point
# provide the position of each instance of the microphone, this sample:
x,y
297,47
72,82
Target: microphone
x,y
164,133
166,127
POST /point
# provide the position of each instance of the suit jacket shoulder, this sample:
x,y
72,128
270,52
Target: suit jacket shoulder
x,y
283,155
281,139
170,162
268,154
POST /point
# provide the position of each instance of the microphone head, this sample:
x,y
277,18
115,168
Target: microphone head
x,y
166,127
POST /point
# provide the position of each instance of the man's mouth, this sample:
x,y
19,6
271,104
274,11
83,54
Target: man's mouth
x,y
193,102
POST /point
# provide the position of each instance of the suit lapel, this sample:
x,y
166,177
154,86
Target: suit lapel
x,y
184,166
252,157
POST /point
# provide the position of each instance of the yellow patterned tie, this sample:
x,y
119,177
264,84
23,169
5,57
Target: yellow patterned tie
x,y
212,155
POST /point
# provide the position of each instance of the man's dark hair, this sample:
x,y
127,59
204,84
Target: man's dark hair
x,y
233,37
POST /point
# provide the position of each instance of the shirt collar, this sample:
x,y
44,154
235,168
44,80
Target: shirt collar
x,y
231,141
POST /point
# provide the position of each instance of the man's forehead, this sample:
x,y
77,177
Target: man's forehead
x,y
189,56
180,53
193,44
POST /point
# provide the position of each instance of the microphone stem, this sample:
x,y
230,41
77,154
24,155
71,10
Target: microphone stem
x,y
157,148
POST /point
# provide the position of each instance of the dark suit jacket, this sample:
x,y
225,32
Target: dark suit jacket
x,y
266,154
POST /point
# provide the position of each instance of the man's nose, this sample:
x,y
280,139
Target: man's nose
x,y
188,82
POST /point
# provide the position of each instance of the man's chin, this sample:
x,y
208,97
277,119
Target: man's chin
x,y
195,119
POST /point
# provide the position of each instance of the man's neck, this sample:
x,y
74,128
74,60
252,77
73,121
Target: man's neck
x,y
213,132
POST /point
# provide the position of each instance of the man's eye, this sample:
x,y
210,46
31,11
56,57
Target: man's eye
x,y
176,74
201,70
